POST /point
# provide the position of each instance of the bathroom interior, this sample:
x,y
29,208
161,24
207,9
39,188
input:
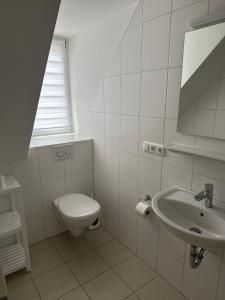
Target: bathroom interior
x,y
112,155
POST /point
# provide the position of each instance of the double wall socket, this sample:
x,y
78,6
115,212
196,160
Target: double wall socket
x,y
153,148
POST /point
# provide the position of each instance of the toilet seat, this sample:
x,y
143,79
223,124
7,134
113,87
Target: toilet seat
x,y
77,206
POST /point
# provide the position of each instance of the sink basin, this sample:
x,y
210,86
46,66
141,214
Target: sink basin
x,y
189,219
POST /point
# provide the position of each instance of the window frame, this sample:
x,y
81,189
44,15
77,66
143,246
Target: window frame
x,y
56,131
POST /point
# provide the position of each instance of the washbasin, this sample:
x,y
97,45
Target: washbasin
x,y
190,220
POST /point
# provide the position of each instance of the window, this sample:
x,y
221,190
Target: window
x,y
53,113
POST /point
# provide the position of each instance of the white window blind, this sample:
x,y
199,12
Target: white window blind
x,y
53,113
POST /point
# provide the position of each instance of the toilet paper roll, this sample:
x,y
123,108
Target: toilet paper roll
x,y
143,208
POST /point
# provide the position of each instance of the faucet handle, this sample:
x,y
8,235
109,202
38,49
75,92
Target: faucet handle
x,y
209,187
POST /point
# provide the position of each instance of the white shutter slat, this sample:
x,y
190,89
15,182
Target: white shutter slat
x,y
52,114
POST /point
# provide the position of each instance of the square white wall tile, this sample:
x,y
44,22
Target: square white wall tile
x,y
204,122
155,8
153,93
209,168
52,189
170,265
112,130
221,292
128,233
49,168
27,170
112,94
35,228
221,96
52,225
216,5
179,25
32,197
111,219
114,67
219,124
98,104
171,240
147,246
75,183
173,93
77,162
198,285
99,157
175,176
98,127
90,183
89,156
112,193
131,50
130,94
129,133
128,169
182,3
128,201
137,16
156,46
151,130
149,176
112,162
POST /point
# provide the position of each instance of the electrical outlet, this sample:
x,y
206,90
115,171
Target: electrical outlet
x,y
153,148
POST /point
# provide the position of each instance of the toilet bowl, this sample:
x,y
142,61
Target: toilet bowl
x,y
76,212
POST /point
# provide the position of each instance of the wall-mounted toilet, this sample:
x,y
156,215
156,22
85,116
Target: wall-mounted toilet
x,y
76,212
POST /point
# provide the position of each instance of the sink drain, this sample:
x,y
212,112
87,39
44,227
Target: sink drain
x,y
196,230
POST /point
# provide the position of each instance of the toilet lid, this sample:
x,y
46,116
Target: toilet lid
x,y
77,205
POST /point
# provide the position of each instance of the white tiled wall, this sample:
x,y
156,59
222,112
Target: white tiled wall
x,y
44,179
139,101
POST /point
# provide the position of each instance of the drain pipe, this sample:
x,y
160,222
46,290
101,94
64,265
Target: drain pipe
x,y
196,256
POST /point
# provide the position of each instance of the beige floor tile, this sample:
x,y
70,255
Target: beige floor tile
x,y
17,278
44,260
98,237
72,247
60,237
39,246
134,272
25,291
107,286
77,294
114,252
55,283
159,289
87,266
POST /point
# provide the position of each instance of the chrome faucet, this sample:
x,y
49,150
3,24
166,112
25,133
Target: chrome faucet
x,y
206,194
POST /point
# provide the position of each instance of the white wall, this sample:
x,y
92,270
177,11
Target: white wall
x,y
138,101
44,179
90,54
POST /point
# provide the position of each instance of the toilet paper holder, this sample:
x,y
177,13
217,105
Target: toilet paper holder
x,y
145,198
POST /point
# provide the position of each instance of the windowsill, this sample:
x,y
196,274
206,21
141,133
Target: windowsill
x,y
57,139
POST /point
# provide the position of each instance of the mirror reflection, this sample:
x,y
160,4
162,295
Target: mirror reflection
x,y
202,94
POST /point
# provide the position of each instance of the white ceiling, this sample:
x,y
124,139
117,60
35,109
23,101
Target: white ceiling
x,y
78,15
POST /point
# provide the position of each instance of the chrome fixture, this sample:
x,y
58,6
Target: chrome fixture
x,y
145,198
196,256
206,195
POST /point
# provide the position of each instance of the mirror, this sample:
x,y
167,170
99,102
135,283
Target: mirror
x,y
202,93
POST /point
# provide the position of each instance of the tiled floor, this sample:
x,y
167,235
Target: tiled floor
x,y
95,266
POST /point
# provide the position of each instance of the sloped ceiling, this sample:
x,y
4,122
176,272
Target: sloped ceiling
x,y
26,32
203,61
90,55
76,16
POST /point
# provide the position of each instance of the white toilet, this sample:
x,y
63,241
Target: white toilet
x,y
76,212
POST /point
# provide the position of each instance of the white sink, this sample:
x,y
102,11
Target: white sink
x,y
180,213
